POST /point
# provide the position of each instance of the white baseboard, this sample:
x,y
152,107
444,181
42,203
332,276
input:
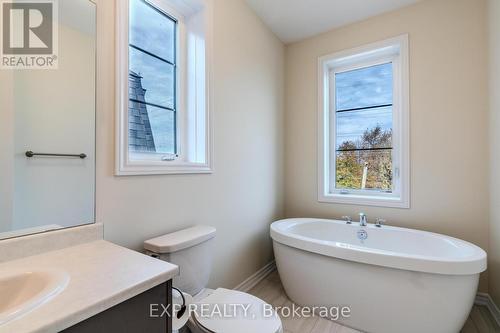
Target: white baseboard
x,y
486,300
255,278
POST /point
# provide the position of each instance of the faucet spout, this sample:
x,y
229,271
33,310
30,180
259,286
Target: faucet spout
x,y
362,220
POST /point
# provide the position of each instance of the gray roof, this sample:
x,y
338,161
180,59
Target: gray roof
x,y
140,135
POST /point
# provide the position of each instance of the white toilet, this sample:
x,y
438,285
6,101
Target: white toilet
x,y
192,250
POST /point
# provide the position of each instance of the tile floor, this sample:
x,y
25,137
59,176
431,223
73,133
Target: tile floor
x,y
271,290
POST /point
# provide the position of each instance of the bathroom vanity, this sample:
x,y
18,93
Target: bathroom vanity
x,y
94,286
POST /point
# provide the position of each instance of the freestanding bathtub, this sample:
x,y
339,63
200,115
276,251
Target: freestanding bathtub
x,y
396,280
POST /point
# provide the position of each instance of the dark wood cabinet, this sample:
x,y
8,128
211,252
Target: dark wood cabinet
x,y
132,315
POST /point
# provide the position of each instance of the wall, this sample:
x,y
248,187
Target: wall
x,y
449,115
494,253
245,193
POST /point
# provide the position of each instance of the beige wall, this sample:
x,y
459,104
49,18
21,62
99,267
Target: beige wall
x,y
449,118
494,253
245,193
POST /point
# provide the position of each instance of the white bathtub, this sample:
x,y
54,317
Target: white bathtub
x,y
397,280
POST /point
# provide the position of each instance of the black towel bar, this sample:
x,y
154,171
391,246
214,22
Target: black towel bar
x,y
29,153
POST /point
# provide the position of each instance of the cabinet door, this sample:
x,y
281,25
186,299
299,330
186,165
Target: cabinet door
x,y
131,316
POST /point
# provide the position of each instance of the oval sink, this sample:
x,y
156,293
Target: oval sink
x,y
24,291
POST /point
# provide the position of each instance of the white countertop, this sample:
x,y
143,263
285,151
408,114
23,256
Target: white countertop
x,y
102,275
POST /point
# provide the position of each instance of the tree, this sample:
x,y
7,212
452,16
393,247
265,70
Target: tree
x,y
352,159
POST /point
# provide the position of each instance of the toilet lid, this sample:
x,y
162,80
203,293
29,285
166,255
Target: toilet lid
x,y
229,311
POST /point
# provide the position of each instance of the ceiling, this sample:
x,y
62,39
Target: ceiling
x,y
293,20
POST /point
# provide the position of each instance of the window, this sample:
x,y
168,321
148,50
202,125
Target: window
x,y
364,130
163,87
152,83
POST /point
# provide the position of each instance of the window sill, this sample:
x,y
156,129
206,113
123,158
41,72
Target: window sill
x,y
364,200
171,169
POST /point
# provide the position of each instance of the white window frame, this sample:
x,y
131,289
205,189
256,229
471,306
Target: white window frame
x,y
193,92
393,50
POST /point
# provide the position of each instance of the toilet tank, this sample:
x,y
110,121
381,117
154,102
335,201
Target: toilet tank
x,y
192,250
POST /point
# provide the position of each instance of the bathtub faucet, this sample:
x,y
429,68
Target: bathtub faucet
x,y
362,219
347,219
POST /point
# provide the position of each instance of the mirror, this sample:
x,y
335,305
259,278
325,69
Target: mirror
x,y
47,162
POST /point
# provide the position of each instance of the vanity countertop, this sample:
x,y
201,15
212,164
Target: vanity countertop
x,y
101,275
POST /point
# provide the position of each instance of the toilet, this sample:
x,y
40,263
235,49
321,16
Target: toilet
x,y
192,250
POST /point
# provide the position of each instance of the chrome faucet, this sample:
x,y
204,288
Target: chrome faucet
x,y
362,220
347,219
379,222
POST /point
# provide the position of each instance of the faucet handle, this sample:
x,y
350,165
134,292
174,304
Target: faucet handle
x,y
347,219
379,222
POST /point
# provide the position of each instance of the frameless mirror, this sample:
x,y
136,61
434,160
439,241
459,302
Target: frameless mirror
x,y
47,162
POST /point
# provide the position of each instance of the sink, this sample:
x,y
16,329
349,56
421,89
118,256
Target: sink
x,y
24,291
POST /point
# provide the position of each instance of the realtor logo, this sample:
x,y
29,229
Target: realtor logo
x,y
29,34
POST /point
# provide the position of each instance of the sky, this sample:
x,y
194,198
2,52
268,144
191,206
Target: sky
x,y
154,32
363,87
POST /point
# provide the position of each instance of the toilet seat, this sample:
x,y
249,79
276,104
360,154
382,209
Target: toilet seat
x,y
234,317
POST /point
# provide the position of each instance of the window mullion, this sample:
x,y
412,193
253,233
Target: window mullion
x,y
152,54
364,149
364,108
152,104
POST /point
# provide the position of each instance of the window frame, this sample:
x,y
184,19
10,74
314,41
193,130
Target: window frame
x,y
188,158
394,50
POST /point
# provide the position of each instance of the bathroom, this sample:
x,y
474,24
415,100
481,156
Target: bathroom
x,y
148,145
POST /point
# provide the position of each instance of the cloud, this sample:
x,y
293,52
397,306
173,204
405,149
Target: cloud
x,y
365,87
